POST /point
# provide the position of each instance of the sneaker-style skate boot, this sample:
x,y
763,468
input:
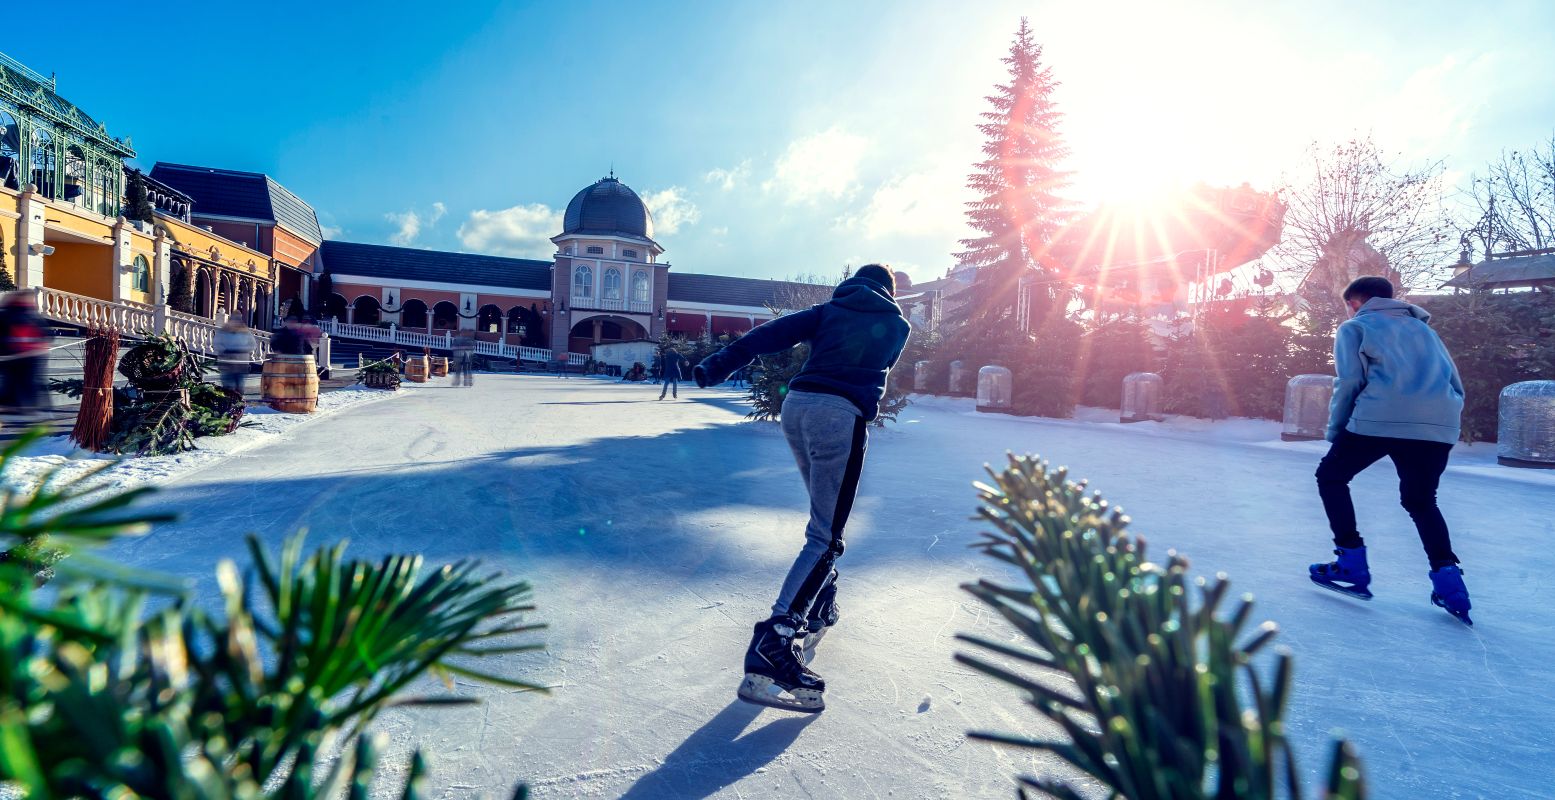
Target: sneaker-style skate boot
x,y
823,615
775,675
1346,575
1448,591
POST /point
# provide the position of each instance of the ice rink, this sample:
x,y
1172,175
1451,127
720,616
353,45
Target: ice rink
x,y
656,533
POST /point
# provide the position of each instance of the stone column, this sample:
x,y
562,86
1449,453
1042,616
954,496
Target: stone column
x,y
29,239
123,262
162,269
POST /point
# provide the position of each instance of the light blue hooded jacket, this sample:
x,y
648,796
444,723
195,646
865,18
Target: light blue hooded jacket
x,y
1395,377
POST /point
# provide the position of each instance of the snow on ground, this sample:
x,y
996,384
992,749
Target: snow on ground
x,y
261,425
656,533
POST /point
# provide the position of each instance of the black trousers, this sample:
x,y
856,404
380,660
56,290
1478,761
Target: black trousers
x,y
1419,464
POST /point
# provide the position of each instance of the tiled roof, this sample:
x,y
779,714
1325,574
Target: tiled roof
x,y
729,290
409,263
1512,270
250,195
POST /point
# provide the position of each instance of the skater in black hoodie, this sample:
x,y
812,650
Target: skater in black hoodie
x,y
855,339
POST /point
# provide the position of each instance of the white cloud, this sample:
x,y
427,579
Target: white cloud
x,y
721,230
331,231
928,203
520,231
727,179
821,166
411,223
670,210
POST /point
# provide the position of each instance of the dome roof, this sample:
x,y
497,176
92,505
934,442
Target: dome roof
x,y
608,208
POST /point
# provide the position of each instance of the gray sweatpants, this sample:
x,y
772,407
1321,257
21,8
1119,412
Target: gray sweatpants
x,y
828,437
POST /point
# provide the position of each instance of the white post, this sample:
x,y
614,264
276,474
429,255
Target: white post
x,y
162,269
448,340
393,333
324,351
159,318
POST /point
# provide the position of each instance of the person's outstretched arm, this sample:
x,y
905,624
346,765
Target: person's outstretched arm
x,y
1350,369
769,337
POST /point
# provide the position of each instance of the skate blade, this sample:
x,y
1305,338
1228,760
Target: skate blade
x,y
1461,616
811,641
1359,594
760,689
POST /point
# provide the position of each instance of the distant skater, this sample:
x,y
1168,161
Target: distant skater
x,y
855,339
1397,395
670,363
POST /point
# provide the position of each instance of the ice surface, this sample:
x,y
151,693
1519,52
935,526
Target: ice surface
x,y
656,533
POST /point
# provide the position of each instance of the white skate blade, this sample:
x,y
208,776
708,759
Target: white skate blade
x,y
811,640
760,689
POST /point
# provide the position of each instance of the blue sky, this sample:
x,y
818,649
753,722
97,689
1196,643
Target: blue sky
x,y
774,139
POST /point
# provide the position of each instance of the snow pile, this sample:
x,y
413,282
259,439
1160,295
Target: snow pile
x,y
261,425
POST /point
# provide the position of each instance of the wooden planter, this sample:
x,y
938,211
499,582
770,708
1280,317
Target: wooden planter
x,y
291,384
417,368
381,380
439,366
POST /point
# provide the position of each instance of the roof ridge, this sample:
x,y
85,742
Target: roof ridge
x,y
215,170
432,251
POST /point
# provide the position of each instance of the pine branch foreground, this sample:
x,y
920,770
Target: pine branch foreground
x,y
99,699
1139,669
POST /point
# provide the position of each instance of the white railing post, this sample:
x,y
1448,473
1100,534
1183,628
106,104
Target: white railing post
x,y
448,340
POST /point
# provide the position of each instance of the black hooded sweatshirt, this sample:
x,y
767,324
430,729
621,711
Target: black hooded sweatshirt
x,y
855,339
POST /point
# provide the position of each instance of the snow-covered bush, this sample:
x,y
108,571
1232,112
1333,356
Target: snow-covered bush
x,y
1153,685
258,700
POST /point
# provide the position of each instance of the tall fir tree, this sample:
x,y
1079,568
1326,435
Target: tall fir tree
x,y
7,284
180,297
137,201
1019,210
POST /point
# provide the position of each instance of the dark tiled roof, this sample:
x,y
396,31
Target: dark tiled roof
x,y
1511,270
728,290
409,263
250,195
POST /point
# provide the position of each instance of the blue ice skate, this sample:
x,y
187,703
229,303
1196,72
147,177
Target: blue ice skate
x,y
1449,592
1346,575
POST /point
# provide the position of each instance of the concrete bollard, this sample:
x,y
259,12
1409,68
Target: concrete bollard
x,y
1306,407
995,389
1141,398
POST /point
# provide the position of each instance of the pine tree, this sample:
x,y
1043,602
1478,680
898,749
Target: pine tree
x,y
179,297
7,283
1018,211
137,204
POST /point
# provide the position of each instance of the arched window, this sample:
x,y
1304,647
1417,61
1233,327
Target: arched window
x,y
582,282
445,316
413,314
10,151
44,161
611,289
639,287
142,280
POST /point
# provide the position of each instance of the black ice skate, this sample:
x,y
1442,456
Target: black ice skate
x,y
823,615
774,673
1346,575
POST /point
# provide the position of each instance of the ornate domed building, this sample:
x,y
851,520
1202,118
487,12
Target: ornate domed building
x,y
606,284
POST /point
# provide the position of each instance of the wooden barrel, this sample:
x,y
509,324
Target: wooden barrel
x,y
417,368
439,366
291,384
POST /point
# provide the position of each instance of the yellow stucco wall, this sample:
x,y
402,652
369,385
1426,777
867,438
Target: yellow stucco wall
x,y
85,269
9,225
202,241
64,216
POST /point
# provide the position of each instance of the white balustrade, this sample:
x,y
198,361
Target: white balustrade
x,y
138,319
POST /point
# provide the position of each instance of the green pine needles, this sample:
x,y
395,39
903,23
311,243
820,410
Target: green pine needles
x,y
1133,660
101,698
